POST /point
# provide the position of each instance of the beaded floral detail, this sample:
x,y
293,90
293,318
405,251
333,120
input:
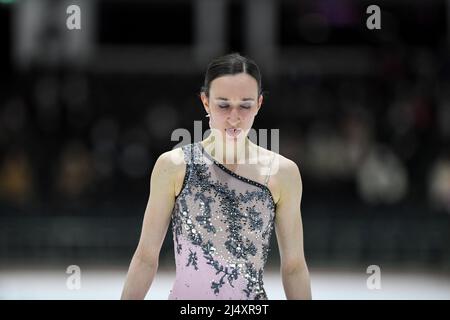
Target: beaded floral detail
x,y
227,220
192,259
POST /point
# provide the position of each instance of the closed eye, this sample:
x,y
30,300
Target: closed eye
x,y
243,106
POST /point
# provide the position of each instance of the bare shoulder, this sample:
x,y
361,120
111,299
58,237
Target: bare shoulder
x,y
170,168
170,161
288,169
280,164
176,165
284,173
290,186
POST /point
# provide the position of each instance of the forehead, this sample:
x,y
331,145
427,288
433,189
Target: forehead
x,y
237,85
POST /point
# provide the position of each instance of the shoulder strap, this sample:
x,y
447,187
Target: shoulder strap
x,y
187,153
270,169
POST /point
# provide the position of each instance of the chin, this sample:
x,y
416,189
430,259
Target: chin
x,y
239,138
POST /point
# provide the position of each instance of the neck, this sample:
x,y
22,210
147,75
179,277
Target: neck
x,y
226,151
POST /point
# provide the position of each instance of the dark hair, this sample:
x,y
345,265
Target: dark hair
x,y
231,64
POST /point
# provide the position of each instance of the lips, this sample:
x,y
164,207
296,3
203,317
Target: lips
x,y
233,132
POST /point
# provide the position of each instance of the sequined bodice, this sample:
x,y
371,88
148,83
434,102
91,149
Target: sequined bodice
x,y
222,224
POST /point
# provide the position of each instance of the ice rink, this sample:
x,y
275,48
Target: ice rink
x,y
106,284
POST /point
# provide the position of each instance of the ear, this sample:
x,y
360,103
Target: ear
x,y
205,101
260,101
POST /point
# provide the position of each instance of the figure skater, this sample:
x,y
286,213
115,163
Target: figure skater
x,y
223,196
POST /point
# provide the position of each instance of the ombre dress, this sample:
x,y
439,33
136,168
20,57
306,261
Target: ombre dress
x,y
222,224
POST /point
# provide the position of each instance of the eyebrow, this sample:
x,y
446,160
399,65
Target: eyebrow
x,y
245,99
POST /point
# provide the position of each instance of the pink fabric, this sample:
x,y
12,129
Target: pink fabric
x,y
191,284
222,224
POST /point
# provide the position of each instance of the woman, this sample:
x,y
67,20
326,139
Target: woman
x,y
223,196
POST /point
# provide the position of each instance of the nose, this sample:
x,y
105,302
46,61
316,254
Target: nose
x,y
234,117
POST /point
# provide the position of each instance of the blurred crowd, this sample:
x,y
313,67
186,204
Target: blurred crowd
x,y
75,136
365,114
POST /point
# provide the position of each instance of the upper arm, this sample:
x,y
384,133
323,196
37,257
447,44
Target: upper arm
x,y
159,208
288,222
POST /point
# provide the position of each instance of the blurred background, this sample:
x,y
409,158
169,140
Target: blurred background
x,y
85,113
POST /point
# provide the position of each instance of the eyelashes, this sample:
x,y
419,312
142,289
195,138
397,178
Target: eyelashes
x,y
224,106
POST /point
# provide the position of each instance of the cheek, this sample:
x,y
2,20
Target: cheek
x,y
220,115
248,115
217,120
